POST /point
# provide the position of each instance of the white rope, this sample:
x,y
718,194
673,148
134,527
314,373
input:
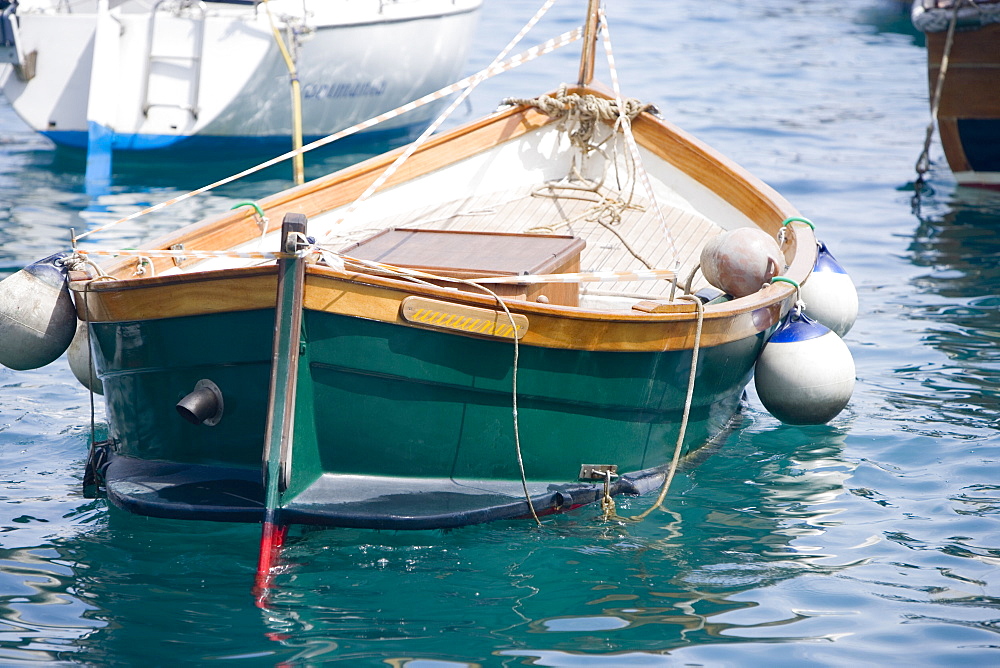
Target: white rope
x,y
513,395
586,277
491,71
633,147
579,277
688,401
180,254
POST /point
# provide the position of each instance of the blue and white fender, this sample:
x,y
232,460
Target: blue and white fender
x,y
37,316
829,293
805,374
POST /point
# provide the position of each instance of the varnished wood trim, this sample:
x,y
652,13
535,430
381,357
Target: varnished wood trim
x,y
176,296
449,316
653,306
378,298
972,82
977,46
744,191
969,92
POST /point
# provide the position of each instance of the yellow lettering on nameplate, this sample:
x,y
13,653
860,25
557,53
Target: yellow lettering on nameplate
x,y
461,318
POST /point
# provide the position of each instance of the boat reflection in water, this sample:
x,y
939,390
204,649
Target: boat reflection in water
x,y
959,245
740,523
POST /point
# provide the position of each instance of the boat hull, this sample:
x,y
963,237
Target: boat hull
x,y
220,80
389,413
396,397
969,113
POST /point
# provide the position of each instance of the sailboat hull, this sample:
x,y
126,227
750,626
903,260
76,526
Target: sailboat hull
x,y
201,80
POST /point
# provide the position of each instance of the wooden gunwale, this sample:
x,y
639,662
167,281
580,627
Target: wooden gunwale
x,y
380,298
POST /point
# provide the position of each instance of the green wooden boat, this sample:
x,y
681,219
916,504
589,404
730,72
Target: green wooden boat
x,y
512,324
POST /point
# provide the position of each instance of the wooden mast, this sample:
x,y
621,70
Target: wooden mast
x,y
589,43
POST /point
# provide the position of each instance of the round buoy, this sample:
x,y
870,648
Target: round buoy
x,y
829,294
37,317
78,356
805,374
740,261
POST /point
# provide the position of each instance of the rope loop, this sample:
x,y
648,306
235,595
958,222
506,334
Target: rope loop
x,y
785,279
799,304
796,219
782,235
262,219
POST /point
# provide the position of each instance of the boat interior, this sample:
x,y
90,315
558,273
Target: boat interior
x,y
535,205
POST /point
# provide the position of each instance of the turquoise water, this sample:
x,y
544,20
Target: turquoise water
x,y
873,540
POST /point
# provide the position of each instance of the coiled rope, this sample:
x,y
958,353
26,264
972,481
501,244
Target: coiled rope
x,y
580,116
582,113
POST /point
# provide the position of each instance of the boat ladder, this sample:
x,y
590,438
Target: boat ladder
x,y
179,9
10,46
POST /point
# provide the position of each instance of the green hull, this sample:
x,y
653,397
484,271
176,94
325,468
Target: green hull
x,y
393,407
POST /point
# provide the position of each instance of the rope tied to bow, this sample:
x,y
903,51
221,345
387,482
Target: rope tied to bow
x,y
582,112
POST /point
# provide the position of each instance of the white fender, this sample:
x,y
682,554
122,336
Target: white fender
x,y
37,316
78,356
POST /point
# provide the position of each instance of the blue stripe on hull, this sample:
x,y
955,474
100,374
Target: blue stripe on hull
x,y
249,144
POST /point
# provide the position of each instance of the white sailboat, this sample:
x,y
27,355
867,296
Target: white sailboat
x,y
109,75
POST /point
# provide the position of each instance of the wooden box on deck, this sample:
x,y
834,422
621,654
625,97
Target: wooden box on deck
x,y
472,255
